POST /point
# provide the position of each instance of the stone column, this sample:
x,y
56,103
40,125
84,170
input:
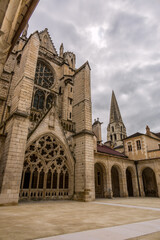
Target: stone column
x,y
135,186
123,185
141,184
109,184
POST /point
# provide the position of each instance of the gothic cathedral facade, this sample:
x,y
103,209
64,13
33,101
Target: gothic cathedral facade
x,y
48,146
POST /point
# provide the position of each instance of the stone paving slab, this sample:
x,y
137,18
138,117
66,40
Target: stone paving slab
x,y
127,206
113,233
140,201
35,220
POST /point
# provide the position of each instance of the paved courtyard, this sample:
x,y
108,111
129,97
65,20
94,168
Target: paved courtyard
x,y
35,220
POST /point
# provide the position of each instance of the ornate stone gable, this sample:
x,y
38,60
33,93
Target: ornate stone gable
x,y
46,41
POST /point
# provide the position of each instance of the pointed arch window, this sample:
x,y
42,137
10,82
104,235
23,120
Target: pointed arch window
x,y
66,180
49,177
39,98
34,179
55,180
49,101
27,178
41,179
61,180
44,76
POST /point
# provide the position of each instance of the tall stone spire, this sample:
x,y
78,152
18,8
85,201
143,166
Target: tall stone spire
x,y
115,115
116,130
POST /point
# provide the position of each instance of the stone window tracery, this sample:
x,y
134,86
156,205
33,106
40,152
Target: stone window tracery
x,y
39,99
43,97
45,170
44,76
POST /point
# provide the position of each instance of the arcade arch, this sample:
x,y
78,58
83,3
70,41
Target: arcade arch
x,y
116,181
100,180
129,180
149,182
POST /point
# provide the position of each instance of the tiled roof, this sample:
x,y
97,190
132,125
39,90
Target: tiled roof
x,y
108,150
157,134
134,135
120,146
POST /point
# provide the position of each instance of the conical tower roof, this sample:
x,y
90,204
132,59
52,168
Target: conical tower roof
x,y
115,115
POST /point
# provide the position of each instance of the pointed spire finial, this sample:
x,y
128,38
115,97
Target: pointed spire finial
x,y
61,50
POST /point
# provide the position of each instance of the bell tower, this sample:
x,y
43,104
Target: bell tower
x,y
116,130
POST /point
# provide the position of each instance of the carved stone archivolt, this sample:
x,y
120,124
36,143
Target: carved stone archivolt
x,y
45,170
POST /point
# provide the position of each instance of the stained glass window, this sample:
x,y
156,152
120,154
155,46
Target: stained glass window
x,y
44,76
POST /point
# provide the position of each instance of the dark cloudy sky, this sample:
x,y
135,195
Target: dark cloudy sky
x,y
121,41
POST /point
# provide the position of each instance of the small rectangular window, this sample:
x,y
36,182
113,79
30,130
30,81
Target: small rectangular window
x,y
70,101
129,147
115,137
138,145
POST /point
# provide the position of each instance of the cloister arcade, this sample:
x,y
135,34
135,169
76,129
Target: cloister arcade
x,y
120,180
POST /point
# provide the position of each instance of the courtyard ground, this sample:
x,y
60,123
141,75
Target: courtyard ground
x,y
35,220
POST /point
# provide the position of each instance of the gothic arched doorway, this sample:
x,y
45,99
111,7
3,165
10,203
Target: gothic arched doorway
x,y
99,181
149,183
115,182
129,182
46,170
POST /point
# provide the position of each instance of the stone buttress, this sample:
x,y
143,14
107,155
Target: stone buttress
x,y
83,138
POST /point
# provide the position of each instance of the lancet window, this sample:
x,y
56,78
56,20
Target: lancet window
x,y
45,171
43,97
39,97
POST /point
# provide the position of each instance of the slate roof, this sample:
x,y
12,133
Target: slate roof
x,y
108,150
140,134
134,135
157,134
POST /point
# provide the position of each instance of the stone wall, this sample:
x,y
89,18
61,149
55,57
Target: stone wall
x,y
16,127
84,168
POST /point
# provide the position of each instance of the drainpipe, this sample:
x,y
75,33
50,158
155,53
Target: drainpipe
x,y
136,163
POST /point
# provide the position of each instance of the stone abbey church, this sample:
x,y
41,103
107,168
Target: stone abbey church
x,y
49,148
